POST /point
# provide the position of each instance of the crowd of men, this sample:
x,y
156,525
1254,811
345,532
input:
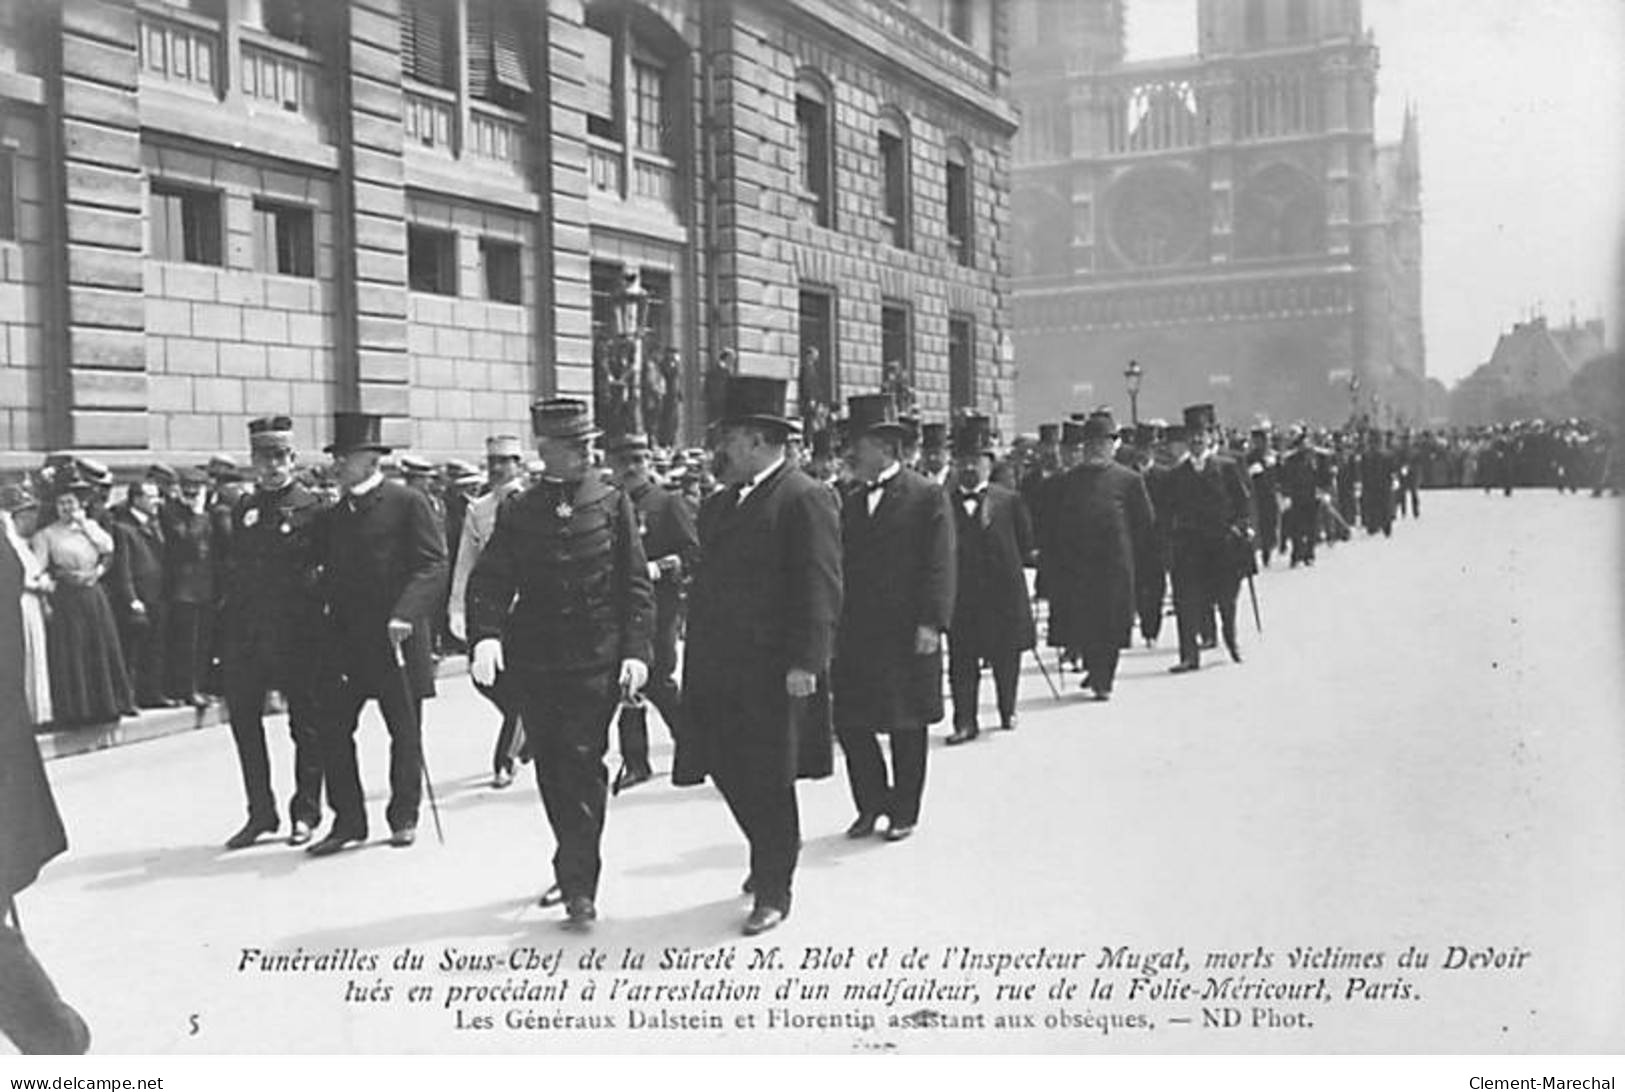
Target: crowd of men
x,y
819,583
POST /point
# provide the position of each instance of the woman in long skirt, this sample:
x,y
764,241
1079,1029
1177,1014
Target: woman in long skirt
x,y
19,512
89,684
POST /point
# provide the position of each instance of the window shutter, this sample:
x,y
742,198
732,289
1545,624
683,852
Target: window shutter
x,y
480,84
600,50
508,53
424,41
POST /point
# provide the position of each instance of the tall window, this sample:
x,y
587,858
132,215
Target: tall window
x,y
600,58
431,260
1297,20
284,239
649,107
960,243
496,54
290,20
428,42
8,194
815,380
636,73
814,147
1255,22
185,225
504,280
959,19
961,363
894,179
896,350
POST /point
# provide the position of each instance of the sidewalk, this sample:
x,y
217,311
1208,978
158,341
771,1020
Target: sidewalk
x,y
158,723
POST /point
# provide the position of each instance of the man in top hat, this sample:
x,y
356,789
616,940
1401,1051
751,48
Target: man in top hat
x,y
1155,440
671,543
897,539
505,469
1101,530
383,564
1209,519
189,587
1377,484
137,592
1264,473
1050,548
934,452
1302,477
269,620
762,612
993,616
560,598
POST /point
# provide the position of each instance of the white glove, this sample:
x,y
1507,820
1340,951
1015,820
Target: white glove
x,y
457,622
486,661
654,572
634,673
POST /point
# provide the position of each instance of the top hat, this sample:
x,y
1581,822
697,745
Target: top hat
x,y
1049,434
973,435
626,443
1145,434
1072,433
561,419
1200,417
357,432
876,413
754,400
504,447
274,432
933,436
1099,426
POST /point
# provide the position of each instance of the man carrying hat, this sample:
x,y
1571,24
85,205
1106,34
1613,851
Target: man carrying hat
x,y
670,542
269,619
1210,513
560,598
897,539
505,467
383,565
992,618
762,612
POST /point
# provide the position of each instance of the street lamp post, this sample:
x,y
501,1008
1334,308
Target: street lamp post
x,y
632,308
1354,397
1132,375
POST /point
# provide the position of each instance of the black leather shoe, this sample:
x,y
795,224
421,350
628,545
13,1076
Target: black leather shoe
x,y
335,842
764,917
630,777
251,833
1103,695
579,912
962,735
1008,725
401,837
553,896
502,779
1180,669
1235,653
300,834
862,826
898,832
1088,683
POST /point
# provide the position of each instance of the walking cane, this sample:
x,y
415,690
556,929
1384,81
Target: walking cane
x,y
1252,593
423,764
1044,671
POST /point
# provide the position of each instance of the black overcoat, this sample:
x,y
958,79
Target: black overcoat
x,y
992,610
267,561
1103,533
30,827
383,556
189,563
765,598
898,575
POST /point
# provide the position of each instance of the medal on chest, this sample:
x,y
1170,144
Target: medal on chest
x,y
251,517
564,511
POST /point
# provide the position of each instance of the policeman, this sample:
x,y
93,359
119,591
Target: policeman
x,y
670,542
269,611
561,598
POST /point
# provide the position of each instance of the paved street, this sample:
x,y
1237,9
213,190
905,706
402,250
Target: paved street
x,y
1424,747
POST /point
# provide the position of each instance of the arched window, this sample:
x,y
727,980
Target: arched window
x,y
815,145
959,182
896,196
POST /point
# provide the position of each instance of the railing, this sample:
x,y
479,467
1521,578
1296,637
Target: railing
x,y
430,120
495,134
1153,115
654,179
180,48
283,76
604,167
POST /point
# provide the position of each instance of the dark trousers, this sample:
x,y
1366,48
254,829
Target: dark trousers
x,y
341,714
186,660
965,659
1100,661
1203,580
1151,587
249,675
510,737
771,821
1301,524
662,691
874,794
566,719
32,1014
143,640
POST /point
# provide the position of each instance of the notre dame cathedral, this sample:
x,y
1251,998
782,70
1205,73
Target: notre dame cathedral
x,y
1227,220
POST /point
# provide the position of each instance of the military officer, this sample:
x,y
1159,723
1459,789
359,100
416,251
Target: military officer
x,y
1209,519
670,542
504,467
269,611
762,613
993,617
383,577
897,539
561,598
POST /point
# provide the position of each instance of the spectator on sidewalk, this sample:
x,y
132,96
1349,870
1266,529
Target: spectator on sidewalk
x,y
19,518
138,598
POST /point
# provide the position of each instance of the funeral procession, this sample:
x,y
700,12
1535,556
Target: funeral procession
x,y
957,481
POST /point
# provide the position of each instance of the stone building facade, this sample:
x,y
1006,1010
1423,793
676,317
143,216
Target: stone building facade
x,y
432,209
1227,220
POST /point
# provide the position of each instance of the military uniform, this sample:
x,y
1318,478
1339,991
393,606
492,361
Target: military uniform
x,y
563,584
